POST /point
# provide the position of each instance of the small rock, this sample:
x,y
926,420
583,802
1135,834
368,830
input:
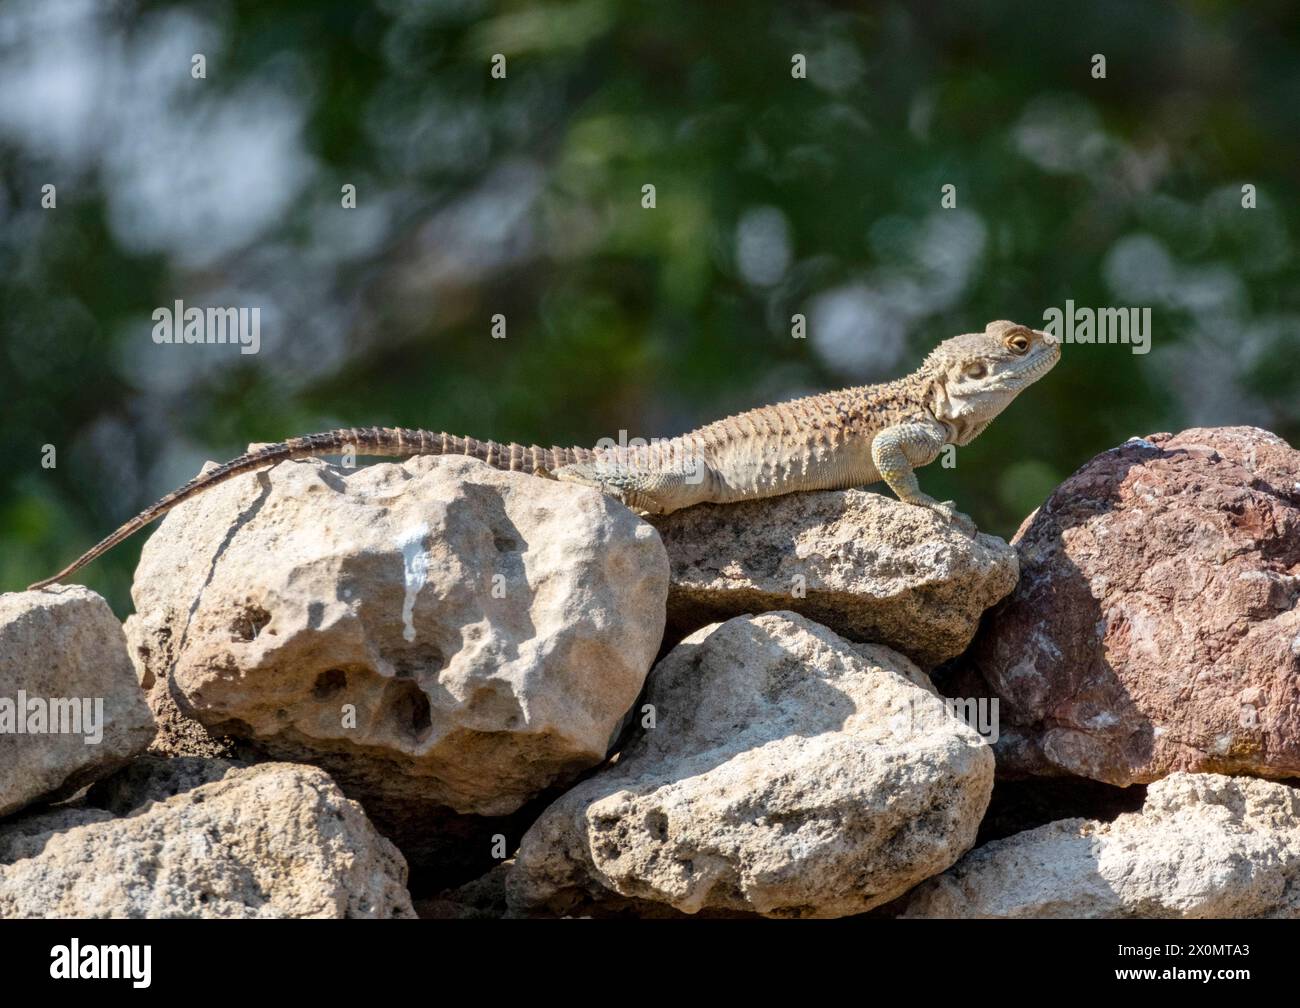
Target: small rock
x,y
1203,846
64,665
789,773
1155,622
214,841
866,566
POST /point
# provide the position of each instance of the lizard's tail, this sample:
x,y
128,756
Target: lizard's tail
x,y
385,441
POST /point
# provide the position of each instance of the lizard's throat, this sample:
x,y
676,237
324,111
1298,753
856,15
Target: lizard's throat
x,y
963,427
963,418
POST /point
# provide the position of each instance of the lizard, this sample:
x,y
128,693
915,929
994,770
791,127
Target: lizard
x,y
829,441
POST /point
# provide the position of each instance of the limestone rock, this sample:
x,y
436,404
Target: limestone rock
x,y
63,660
1203,846
866,566
789,773
205,839
436,634
1155,627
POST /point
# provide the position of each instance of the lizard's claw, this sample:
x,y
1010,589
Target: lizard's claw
x,y
948,509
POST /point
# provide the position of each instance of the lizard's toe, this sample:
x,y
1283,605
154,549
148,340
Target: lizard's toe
x,y
611,484
948,509
581,474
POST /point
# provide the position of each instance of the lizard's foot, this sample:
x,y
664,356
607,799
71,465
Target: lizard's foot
x,y
624,485
948,509
587,474
945,509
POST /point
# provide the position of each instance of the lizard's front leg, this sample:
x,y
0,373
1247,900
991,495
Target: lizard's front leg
x,y
897,451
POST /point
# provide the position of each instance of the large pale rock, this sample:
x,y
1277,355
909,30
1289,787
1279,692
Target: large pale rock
x,y
63,659
789,773
205,839
437,634
1155,627
1204,845
867,566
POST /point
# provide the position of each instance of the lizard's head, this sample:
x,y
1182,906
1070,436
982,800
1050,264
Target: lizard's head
x,y
975,376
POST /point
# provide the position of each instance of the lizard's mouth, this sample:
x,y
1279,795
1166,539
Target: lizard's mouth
x,y
1033,369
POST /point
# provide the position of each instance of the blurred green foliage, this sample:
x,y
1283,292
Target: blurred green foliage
x,y
523,196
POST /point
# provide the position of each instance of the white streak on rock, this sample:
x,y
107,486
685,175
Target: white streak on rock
x,y
415,563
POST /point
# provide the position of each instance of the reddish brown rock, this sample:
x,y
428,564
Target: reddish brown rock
x,y
1155,625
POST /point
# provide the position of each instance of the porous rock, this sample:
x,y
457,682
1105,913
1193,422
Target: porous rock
x,y
437,634
788,773
1203,846
71,708
867,566
204,839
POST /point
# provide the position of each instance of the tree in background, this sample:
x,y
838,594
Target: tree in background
x,y
893,177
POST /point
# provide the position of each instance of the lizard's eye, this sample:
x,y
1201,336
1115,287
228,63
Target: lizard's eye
x,y
977,370
1018,343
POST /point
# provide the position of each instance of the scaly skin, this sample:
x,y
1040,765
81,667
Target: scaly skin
x,y
850,438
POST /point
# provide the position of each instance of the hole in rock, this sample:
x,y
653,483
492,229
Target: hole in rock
x,y
409,711
250,622
418,660
329,682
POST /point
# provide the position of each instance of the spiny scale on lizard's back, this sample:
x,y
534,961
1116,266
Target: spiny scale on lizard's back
x,y
853,411
801,417
897,401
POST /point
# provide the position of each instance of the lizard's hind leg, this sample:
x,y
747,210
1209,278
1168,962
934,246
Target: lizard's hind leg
x,y
612,479
651,492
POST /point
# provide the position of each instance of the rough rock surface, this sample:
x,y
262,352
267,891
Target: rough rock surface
x,y
64,646
789,773
865,565
1155,627
437,634
1204,845
205,839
